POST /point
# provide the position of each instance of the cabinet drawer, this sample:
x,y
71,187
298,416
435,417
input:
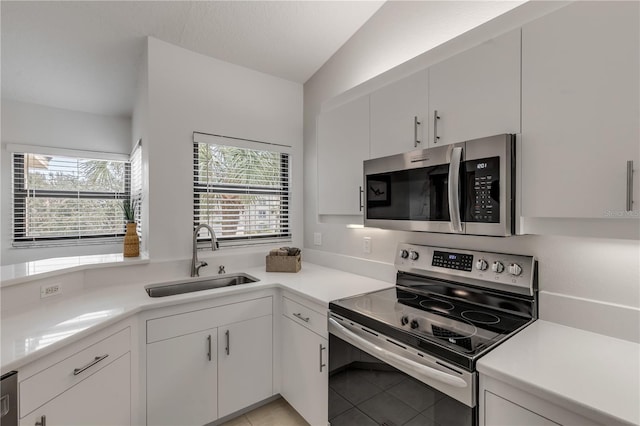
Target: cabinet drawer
x,y
51,382
192,322
304,316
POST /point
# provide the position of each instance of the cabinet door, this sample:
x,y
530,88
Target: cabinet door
x,y
343,144
501,412
104,398
182,380
394,111
581,110
477,92
304,372
245,370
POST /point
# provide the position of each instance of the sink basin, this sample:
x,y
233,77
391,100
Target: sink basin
x,y
162,290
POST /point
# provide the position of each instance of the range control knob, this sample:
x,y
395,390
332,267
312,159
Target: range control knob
x,y
515,269
415,324
482,265
413,255
404,253
404,320
497,267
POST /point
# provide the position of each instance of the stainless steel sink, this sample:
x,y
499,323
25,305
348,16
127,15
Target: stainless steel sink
x,y
162,290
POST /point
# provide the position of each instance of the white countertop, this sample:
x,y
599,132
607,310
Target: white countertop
x,y
31,332
582,371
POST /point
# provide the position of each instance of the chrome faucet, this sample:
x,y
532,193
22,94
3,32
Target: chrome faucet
x,y
195,264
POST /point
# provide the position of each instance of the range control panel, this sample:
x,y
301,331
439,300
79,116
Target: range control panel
x,y
514,273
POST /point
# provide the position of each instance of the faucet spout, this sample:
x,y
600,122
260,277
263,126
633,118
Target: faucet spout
x,y
195,264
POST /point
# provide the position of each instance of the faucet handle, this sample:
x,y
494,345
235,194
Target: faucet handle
x,y
221,270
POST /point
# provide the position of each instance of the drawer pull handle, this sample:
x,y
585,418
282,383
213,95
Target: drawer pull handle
x,y
96,360
297,315
42,421
228,348
209,347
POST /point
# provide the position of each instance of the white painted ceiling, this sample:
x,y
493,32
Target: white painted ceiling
x,y
83,55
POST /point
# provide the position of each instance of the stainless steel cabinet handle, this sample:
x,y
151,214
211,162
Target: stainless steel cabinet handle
x,y
629,185
322,348
96,360
297,315
416,123
228,348
209,347
436,117
42,421
454,195
361,191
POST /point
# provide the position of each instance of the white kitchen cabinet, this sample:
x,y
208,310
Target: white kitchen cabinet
x,y
501,404
245,364
204,363
581,111
304,362
396,110
182,380
342,146
104,398
88,383
477,92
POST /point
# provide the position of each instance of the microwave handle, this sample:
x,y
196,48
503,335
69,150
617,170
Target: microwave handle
x,y
454,189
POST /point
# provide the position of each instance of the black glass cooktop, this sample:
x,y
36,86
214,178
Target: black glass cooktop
x,y
450,327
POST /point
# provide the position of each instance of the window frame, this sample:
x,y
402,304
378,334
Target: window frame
x,y
21,194
284,191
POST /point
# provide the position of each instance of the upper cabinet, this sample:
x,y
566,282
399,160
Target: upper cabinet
x,y
580,111
399,116
343,144
476,93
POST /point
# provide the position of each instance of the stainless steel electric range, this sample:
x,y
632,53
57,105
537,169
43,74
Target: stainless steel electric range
x,y
407,355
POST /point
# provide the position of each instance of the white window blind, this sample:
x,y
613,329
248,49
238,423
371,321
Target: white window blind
x,y
241,189
135,161
62,199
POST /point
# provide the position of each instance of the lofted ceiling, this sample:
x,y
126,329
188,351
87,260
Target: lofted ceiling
x,y
83,55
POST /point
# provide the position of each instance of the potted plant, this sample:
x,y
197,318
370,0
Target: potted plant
x,y
131,241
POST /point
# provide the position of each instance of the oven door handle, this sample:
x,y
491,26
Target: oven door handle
x,y
454,189
394,359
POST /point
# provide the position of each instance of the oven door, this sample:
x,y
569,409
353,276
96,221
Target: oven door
x,y
374,380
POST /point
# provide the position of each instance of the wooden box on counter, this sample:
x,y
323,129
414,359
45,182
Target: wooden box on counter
x,y
284,263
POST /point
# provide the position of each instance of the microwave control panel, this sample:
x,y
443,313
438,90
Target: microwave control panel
x,y
483,183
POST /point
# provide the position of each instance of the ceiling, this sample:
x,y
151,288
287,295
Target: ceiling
x,y
83,55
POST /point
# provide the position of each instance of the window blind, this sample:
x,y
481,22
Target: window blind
x,y
61,199
242,192
135,161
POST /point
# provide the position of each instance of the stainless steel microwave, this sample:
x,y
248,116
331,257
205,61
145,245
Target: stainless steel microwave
x,y
463,188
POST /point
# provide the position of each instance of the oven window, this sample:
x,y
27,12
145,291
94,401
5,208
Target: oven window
x,y
365,391
482,190
416,194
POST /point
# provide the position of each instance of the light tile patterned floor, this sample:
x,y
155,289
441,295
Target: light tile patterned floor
x,y
276,413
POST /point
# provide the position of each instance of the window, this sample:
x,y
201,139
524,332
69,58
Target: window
x,y
63,197
240,189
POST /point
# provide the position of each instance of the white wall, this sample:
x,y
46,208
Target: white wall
x,y
586,269
190,92
30,124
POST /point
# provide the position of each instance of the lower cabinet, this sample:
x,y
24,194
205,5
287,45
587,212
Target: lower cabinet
x,y
205,364
104,398
245,359
182,380
304,360
86,384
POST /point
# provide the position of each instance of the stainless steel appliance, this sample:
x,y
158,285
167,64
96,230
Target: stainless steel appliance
x,y
407,355
9,399
464,188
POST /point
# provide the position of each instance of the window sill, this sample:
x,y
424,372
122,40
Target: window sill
x,y
37,269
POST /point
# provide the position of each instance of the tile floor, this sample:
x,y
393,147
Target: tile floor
x,y
275,413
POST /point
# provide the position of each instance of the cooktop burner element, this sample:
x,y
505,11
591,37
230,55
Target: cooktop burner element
x,y
480,317
457,314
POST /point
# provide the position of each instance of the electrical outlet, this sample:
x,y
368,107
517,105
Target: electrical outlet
x,y
317,238
50,290
366,245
